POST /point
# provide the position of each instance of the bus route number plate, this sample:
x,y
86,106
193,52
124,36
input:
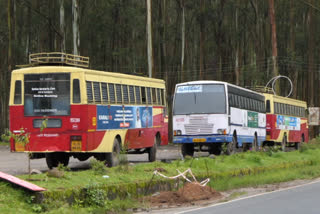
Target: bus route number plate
x,y
76,146
199,140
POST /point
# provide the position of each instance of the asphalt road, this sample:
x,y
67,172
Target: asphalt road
x,y
17,163
297,200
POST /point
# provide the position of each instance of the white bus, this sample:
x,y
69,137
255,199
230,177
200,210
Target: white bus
x,y
209,114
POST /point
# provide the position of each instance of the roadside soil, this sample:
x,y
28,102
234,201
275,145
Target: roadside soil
x,y
193,196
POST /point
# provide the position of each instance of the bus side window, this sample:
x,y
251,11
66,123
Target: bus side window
x,y
163,101
159,96
104,90
17,92
131,94
143,95
125,94
119,93
149,95
138,94
154,96
97,92
89,92
268,110
111,93
76,91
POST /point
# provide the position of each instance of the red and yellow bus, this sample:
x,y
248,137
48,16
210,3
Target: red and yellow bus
x,y
287,122
86,112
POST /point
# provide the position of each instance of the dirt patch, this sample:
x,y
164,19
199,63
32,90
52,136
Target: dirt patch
x,y
189,193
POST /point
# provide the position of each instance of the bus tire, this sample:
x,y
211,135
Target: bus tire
x,y
255,143
298,144
231,146
112,158
284,143
187,149
215,149
152,152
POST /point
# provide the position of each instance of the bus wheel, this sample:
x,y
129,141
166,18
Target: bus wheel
x,y
112,158
152,152
53,159
231,146
187,149
284,143
298,144
215,149
255,143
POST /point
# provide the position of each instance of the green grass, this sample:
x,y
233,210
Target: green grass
x,y
226,172
4,143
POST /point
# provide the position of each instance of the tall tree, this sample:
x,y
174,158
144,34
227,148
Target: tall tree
x,y
149,40
75,27
183,38
62,28
274,42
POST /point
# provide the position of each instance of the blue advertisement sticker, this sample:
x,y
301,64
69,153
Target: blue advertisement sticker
x,y
123,117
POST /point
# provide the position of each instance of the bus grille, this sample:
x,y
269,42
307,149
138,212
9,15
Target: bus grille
x,y
196,129
198,125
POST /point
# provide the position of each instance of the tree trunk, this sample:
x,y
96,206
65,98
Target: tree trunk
x,y
202,34
162,16
292,51
149,39
183,38
62,28
75,27
274,42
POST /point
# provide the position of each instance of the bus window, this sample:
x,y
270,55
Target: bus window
x,y
131,94
104,90
119,93
111,93
76,91
268,110
162,97
125,94
89,92
143,95
154,96
138,94
149,95
97,92
17,92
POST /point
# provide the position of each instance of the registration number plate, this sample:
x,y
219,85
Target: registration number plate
x,y
19,147
76,146
199,140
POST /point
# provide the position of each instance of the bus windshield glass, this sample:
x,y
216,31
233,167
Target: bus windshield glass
x,y
46,94
200,99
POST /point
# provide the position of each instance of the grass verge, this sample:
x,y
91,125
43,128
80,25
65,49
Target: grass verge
x,y
89,191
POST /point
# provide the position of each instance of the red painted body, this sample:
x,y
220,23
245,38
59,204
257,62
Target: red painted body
x,y
79,123
293,135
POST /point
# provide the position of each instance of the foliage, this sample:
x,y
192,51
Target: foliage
x,y
95,196
98,167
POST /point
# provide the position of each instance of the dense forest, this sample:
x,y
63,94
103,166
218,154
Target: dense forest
x,y
245,42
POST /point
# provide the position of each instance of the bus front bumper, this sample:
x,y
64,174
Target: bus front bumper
x,y
202,139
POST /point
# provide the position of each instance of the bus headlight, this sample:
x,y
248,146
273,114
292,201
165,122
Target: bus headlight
x,y
222,131
177,132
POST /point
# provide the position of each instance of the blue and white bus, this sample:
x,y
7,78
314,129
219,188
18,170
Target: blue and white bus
x,y
209,114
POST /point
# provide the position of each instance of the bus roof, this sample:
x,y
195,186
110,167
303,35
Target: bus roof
x,y
216,82
69,69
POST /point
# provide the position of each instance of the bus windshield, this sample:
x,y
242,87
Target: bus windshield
x,y
200,99
46,94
